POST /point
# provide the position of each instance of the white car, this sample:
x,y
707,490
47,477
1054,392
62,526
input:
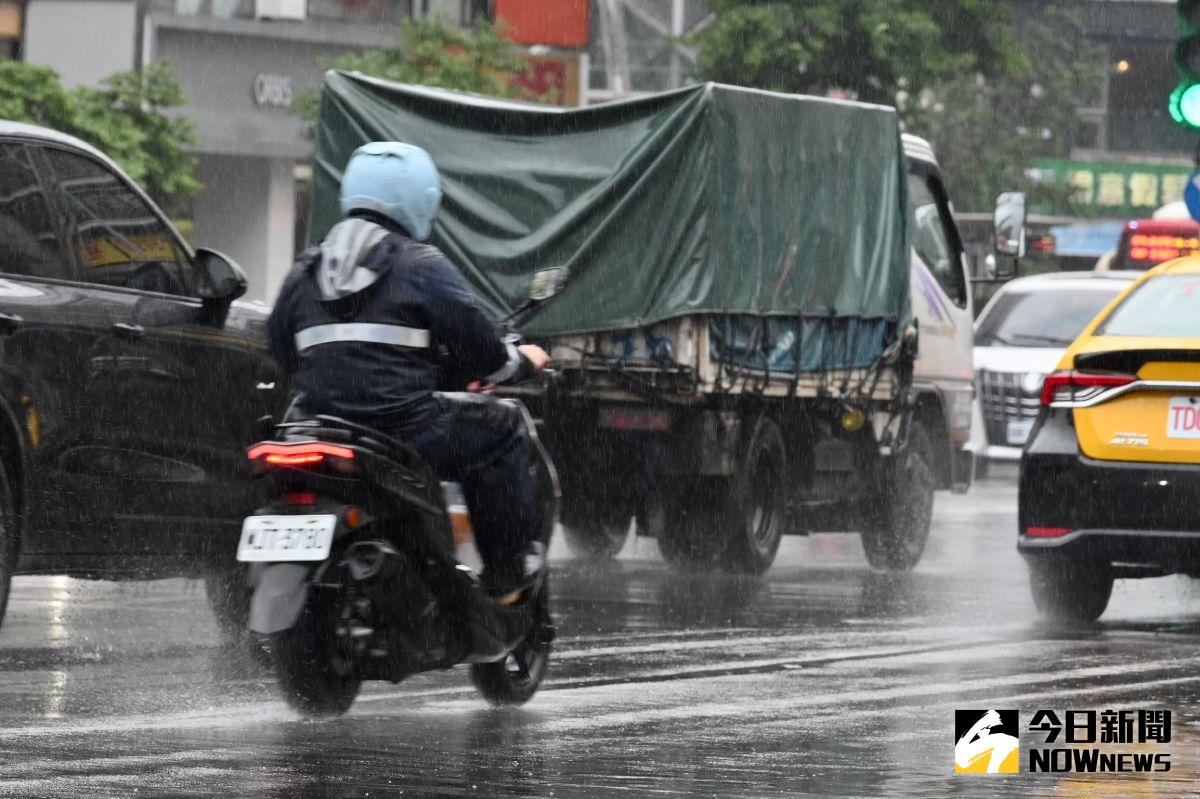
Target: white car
x,y
1019,338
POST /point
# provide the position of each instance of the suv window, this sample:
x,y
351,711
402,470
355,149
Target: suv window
x,y
117,238
932,237
1041,318
29,243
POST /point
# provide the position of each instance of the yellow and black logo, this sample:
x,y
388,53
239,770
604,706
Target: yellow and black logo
x,y
986,742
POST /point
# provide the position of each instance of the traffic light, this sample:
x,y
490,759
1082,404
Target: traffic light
x,y
1185,100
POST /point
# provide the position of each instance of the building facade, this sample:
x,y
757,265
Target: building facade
x,y
1127,156
242,65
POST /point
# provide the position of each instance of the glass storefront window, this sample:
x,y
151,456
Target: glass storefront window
x,y
347,10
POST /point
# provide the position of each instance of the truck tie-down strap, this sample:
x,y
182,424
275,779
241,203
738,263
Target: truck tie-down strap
x,y
367,332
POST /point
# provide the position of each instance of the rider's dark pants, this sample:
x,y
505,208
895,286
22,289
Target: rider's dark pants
x,y
481,442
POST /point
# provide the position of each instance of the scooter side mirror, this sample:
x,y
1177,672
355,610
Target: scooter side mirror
x,y
548,282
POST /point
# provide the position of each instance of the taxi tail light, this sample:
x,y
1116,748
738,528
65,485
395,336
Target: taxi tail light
x,y
308,453
1047,532
1075,386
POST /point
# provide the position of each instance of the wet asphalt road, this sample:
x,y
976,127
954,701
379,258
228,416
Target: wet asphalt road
x,y
822,679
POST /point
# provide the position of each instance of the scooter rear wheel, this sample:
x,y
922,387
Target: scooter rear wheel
x,y
316,679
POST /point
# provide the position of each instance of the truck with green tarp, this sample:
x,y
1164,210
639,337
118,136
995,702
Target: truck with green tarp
x,y
766,327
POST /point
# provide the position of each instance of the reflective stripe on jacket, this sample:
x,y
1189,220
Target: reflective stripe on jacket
x,y
401,315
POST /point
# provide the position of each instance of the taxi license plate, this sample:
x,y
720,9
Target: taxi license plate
x,y
1183,417
1018,431
286,538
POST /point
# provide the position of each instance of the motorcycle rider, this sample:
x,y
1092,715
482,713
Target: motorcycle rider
x,y
369,323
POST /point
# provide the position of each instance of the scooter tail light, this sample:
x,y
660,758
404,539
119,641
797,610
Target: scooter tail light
x,y
1075,386
308,453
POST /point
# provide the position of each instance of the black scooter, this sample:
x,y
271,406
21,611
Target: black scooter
x,y
353,570
354,576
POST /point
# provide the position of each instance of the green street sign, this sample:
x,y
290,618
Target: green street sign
x,y
1116,189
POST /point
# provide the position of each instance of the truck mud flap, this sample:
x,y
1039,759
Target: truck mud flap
x,y
279,596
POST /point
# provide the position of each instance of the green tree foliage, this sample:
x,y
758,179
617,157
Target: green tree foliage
x,y
988,130
126,118
955,68
871,48
430,52
35,94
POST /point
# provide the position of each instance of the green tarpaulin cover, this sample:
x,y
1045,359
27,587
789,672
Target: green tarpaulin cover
x,y
706,200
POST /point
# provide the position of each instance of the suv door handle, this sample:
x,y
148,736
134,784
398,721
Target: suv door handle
x,y
9,322
128,332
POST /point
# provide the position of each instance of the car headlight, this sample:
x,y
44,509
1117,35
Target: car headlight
x,y
1031,382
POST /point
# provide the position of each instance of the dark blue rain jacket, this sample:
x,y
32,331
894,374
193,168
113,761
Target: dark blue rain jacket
x,y
370,323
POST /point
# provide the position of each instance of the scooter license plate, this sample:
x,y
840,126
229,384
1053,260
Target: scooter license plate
x,y
286,538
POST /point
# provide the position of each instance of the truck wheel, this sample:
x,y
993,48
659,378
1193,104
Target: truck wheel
x,y
229,599
9,539
595,533
981,467
759,501
687,519
1067,591
899,527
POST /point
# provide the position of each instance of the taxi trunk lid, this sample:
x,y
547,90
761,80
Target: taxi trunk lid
x,y
1155,418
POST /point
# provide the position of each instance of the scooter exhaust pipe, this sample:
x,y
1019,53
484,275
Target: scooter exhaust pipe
x,y
367,559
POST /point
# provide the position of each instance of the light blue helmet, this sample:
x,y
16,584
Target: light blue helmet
x,y
397,180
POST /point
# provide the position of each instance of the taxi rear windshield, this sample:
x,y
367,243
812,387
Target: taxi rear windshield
x,y
1166,306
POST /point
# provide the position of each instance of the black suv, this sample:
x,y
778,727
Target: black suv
x,y
129,379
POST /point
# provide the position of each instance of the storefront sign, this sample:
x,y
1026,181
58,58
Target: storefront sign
x,y
273,90
1115,189
558,23
553,78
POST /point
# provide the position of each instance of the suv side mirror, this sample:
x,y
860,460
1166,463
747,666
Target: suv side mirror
x,y
219,280
1010,224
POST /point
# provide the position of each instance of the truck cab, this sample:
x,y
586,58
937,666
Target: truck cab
x,y
943,374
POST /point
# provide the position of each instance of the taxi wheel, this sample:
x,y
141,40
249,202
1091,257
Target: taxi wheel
x,y
899,527
1071,591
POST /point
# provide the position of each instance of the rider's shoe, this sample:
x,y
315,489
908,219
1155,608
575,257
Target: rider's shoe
x,y
526,576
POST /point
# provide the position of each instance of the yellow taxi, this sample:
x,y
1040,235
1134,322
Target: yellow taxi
x,y
1110,477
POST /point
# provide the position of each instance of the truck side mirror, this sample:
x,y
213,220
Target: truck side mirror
x,y
1010,224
